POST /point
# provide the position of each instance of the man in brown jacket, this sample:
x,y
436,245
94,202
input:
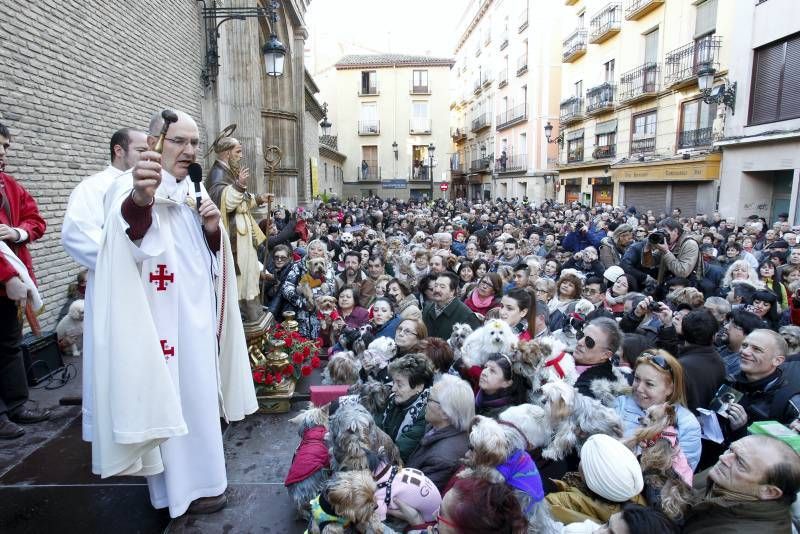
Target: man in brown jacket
x,y
749,490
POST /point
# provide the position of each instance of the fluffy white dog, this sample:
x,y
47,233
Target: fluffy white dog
x,y
493,337
378,353
70,329
460,333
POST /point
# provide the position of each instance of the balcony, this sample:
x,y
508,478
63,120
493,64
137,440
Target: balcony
x,y
504,40
368,90
420,88
640,83
368,172
702,137
419,126
486,77
456,168
682,65
420,173
636,9
369,127
479,165
512,116
477,86
600,99
458,134
515,163
604,151
480,122
642,145
571,111
605,24
502,78
574,46
522,64
575,155
523,21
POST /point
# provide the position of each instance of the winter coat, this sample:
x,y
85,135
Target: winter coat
x,y
571,505
773,398
311,456
603,371
609,253
389,329
408,308
704,373
715,515
442,326
439,454
687,424
405,423
681,261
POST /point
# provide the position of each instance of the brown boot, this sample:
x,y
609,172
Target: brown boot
x,y
208,505
9,429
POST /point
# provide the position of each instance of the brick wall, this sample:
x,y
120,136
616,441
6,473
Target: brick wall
x,y
71,73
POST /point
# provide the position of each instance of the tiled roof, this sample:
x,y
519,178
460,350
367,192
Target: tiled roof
x,y
391,60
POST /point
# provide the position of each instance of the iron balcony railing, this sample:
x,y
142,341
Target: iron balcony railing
x,y
642,145
600,98
420,173
477,85
605,23
522,64
683,64
574,46
368,90
456,167
480,122
514,163
369,127
512,116
458,134
419,125
636,9
695,138
370,171
480,164
571,110
420,88
504,40
575,155
523,20
639,83
604,151
502,78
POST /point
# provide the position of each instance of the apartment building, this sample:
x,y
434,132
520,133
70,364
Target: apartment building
x,y
635,127
761,146
505,88
391,116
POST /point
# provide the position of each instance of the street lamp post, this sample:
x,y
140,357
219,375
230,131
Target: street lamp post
x,y
431,150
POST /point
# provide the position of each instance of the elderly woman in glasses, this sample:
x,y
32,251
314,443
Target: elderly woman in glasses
x,y
409,333
658,378
274,276
486,295
451,407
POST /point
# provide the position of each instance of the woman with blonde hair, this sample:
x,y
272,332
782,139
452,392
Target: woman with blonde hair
x,y
741,270
658,378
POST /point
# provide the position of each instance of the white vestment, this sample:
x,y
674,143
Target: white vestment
x,y
80,236
170,353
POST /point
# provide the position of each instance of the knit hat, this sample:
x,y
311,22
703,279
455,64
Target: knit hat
x,y
612,273
610,469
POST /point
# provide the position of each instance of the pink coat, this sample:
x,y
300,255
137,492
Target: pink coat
x,y
679,462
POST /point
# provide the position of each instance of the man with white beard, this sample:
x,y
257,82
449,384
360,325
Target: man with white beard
x,y
81,233
170,352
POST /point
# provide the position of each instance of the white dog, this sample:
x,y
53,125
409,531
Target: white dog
x,y
493,337
559,364
460,333
378,353
70,329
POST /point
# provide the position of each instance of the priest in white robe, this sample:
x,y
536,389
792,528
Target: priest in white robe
x,y
81,233
170,352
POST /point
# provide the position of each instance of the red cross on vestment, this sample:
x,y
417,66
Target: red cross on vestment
x,y
167,350
160,277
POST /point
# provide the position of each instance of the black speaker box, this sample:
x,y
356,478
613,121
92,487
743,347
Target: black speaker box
x,y
41,356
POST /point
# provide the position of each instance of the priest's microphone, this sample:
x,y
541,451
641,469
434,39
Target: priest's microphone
x,y
196,176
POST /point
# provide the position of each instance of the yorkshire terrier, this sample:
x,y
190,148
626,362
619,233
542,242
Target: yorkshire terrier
x,y
342,369
347,504
311,463
355,441
460,333
314,277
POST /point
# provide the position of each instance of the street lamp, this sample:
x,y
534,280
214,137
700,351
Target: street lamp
x,y
325,123
548,133
431,150
394,147
715,95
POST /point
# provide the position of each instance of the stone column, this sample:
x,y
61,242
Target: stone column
x,y
299,36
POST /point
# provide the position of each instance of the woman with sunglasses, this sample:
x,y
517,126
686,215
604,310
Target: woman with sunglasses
x,y
273,278
658,378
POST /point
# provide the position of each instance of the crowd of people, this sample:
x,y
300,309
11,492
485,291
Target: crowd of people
x,y
685,326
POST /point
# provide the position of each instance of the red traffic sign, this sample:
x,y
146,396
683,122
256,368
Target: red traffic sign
x,y
444,187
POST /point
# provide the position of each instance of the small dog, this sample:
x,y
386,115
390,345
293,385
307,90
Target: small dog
x,y
356,339
492,338
371,394
460,333
355,441
70,329
342,369
667,473
347,502
378,354
311,461
314,277
326,309
574,417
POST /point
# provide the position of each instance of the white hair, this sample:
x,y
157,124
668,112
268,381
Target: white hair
x,y
752,276
456,400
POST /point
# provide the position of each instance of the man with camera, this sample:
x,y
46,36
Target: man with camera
x,y
583,236
667,252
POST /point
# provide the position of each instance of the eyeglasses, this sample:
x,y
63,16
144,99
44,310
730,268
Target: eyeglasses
x,y
588,291
407,332
485,283
589,341
660,361
280,258
182,141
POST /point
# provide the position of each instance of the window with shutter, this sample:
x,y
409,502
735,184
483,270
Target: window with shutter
x,y
706,19
775,92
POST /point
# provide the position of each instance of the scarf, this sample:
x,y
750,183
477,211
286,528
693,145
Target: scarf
x,y
481,302
611,299
520,472
413,411
497,400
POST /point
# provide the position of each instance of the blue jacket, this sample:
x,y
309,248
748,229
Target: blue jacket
x,y
688,427
389,328
577,241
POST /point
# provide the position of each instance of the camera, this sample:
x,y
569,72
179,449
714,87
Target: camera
x,y
654,306
657,238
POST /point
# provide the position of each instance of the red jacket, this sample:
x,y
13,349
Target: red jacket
x,y
311,456
25,215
